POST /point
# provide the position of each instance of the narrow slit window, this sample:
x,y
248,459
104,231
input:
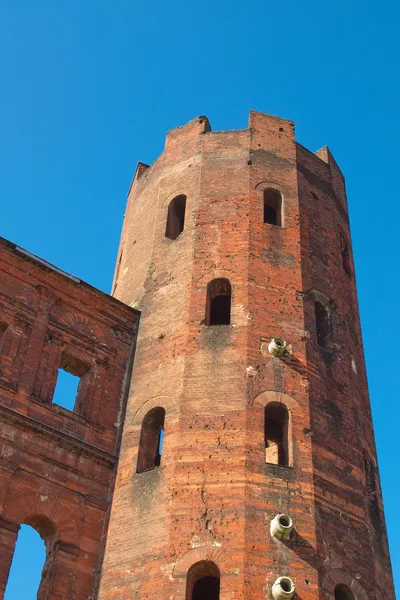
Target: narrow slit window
x,y
323,325
345,255
151,440
273,207
175,217
218,309
343,592
369,475
203,581
3,328
276,434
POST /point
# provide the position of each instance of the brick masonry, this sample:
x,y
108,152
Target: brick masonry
x,y
213,496
57,467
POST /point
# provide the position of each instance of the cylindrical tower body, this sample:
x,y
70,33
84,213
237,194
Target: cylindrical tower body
x,y
231,239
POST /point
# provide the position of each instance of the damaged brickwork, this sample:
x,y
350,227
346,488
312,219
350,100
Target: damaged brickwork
x,y
57,467
207,507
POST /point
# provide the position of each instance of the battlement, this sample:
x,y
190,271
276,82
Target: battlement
x,y
264,133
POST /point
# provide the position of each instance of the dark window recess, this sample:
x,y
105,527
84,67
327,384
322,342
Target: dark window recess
x,y
369,475
206,588
3,328
203,581
323,325
345,255
218,309
342,592
151,440
175,217
276,434
273,207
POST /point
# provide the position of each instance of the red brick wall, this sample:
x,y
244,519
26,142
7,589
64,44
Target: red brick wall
x,y
213,496
57,467
349,513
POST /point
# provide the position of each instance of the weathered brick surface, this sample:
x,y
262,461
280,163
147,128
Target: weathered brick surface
x,y
213,496
57,467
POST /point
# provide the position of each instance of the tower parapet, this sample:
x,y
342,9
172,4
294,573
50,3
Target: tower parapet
x,y
231,239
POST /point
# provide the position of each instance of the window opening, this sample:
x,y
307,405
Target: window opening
x,y
66,390
276,434
175,217
29,559
345,255
71,384
343,592
218,310
151,440
3,328
273,207
203,581
323,324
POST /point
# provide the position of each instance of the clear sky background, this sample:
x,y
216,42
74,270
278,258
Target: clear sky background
x,y
88,88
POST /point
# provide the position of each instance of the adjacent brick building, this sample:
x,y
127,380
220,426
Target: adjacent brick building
x,y
230,240
57,467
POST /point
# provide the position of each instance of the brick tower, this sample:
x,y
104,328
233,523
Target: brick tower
x,y
248,466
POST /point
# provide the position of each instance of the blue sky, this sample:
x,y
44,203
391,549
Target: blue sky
x,y
89,88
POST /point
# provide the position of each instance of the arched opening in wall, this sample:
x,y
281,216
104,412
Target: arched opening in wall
x,y
323,325
31,566
276,434
344,248
175,217
343,592
273,207
218,308
151,440
203,581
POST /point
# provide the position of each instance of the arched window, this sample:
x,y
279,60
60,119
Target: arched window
x,y
151,439
32,557
323,325
343,592
344,248
175,217
203,581
273,207
29,559
276,434
218,310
